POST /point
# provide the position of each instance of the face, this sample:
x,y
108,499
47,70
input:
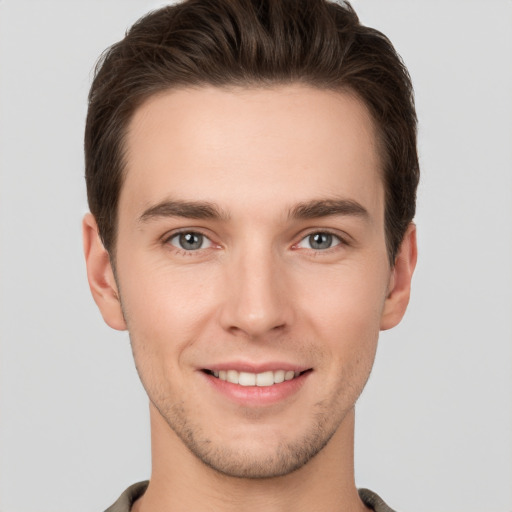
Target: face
x,y
251,268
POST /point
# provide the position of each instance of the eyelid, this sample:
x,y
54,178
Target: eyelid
x,y
343,239
168,236
204,240
179,231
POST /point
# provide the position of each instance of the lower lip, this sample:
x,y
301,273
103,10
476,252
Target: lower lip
x,y
257,395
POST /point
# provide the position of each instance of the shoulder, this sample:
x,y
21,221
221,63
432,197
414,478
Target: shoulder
x,y
135,491
126,500
375,502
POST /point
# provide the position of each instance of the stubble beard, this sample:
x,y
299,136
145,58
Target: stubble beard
x,y
286,458
326,417
288,455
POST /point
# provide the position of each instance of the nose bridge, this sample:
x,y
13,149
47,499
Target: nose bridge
x,y
255,301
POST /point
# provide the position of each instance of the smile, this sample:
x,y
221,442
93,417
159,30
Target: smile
x,y
263,379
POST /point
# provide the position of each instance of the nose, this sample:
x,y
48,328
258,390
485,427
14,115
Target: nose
x,y
257,299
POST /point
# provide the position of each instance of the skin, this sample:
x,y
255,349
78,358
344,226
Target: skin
x,y
258,289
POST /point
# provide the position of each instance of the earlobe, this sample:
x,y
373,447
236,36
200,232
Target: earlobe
x,y
101,276
400,282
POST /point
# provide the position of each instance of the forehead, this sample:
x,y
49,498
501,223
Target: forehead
x,y
277,145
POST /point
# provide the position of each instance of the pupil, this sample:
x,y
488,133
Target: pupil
x,y
191,241
320,240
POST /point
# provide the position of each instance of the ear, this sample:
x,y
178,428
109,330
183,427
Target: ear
x,y
400,281
101,276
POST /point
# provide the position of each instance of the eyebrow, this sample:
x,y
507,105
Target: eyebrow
x,y
327,207
187,209
313,209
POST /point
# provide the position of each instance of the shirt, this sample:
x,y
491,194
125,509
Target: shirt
x,y
135,491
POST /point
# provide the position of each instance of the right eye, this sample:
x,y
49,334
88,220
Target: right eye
x,y
190,241
319,241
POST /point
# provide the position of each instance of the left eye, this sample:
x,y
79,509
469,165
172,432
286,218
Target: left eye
x,y
319,241
190,241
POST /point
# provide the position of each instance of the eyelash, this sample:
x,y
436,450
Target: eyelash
x,y
187,252
341,242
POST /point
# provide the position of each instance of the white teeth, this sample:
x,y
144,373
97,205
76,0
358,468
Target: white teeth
x,y
289,375
247,379
263,379
232,376
279,376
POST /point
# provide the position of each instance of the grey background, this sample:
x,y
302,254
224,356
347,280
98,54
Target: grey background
x,y
434,428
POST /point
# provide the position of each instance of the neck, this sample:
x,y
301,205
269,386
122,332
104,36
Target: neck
x,y
181,482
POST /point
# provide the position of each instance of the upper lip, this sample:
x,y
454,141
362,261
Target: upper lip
x,y
256,367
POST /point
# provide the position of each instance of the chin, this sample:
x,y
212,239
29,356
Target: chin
x,y
283,460
253,455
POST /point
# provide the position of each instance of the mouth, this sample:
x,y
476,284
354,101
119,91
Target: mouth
x,y
263,379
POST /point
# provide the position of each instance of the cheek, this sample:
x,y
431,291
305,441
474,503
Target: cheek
x,y
346,301
349,328
345,317
165,308
164,316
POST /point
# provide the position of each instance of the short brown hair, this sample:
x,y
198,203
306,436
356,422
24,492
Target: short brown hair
x,y
252,43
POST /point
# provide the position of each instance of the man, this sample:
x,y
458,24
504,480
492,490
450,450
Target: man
x,y
251,170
